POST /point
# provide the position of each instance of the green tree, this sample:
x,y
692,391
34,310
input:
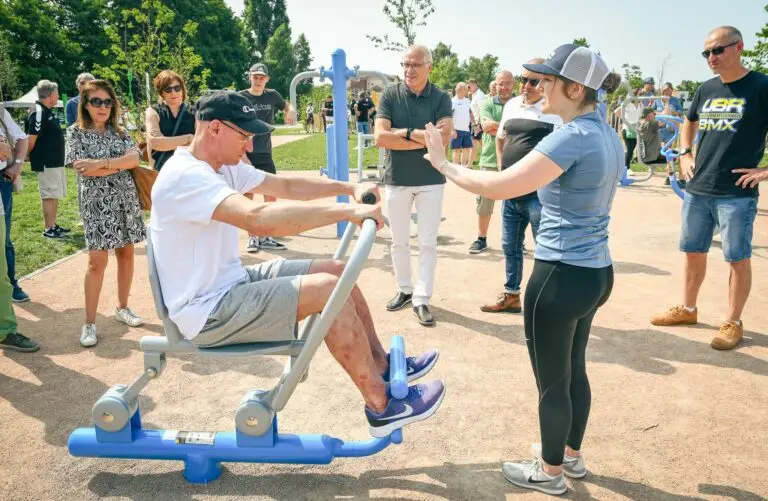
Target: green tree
x,y
279,15
278,56
302,61
38,44
257,18
689,86
757,57
482,69
85,24
9,73
441,51
581,42
633,75
447,72
406,15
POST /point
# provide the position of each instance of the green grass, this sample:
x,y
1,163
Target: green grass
x,y
309,154
33,251
288,131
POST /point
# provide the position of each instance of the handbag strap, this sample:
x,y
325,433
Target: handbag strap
x,y
183,109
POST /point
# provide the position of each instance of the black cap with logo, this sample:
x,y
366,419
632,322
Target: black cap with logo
x,y
259,69
232,107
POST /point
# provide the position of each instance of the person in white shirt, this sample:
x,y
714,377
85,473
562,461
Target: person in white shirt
x,y
198,204
461,144
13,149
477,97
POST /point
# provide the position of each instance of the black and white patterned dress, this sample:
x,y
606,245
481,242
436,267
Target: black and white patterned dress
x,y
109,205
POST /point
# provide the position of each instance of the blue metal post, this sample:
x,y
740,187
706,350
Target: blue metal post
x,y
330,152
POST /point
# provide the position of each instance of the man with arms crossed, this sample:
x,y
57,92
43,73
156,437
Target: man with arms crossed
x,y
198,204
730,112
490,113
266,102
404,110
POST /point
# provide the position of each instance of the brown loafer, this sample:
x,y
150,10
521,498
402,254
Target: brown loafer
x,y
505,303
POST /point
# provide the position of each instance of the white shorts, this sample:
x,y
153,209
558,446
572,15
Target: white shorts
x,y
52,183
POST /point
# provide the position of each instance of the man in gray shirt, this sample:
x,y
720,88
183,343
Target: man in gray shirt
x,y
404,110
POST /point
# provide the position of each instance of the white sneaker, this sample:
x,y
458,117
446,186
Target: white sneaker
x,y
572,466
88,335
530,475
253,245
128,317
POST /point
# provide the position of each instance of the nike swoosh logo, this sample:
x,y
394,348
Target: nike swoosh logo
x,y
407,412
532,481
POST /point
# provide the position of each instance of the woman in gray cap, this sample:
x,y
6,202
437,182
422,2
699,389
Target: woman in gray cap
x,y
576,170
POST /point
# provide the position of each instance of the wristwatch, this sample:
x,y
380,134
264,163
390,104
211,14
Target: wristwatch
x,y
408,133
684,151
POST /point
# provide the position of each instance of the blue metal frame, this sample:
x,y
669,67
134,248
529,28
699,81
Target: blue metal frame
x,y
201,461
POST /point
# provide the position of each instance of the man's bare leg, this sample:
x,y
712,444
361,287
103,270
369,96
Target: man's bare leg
x,y
483,222
361,307
457,156
346,339
739,285
695,271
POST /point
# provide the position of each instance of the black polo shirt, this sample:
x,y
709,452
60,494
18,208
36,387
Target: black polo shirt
x,y
364,107
406,110
49,147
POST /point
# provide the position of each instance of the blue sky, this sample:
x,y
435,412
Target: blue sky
x,y
643,33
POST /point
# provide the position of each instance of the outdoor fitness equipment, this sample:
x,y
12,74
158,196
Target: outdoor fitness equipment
x,y
118,433
337,150
630,117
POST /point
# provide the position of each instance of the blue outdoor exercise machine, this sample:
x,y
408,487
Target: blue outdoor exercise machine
x,y
337,148
118,432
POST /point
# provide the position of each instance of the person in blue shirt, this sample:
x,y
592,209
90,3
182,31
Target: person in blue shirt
x,y
576,170
70,110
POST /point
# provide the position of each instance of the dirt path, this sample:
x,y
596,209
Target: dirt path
x,y
671,418
280,140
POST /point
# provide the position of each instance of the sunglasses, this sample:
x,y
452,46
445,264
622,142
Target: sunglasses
x,y
97,102
172,88
246,137
533,81
716,51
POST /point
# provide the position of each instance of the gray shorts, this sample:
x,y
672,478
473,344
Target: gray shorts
x,y
485,205
259,309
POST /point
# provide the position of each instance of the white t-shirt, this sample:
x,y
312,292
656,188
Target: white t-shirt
x,y
517,109
197,258
477,99
461,109
15,131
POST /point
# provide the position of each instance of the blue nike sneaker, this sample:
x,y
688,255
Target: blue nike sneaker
x,y
416,367
421,402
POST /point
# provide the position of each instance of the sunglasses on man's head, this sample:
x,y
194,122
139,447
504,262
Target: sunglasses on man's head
x,y
97,102
533,81
716,51
172,88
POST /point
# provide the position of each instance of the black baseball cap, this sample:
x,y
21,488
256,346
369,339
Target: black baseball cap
x,y
233,107
259,69
576,63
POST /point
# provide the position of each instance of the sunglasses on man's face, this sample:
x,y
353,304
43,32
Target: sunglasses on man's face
x,y
533,81
97,102
716,51
172,88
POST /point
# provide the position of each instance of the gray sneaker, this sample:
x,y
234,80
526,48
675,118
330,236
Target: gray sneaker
x,y
88,336
270,243
128,317
253,245
572,466
530,475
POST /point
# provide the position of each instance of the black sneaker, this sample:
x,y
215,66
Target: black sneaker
x,y
399,301
61,230
681,183
19,342
19,296
53,233
424,315
269,243
666,182
478,246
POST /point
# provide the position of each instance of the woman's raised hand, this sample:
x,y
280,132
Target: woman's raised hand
x,y
435,148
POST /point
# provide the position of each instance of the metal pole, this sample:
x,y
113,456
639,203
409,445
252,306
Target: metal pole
x,y
340,73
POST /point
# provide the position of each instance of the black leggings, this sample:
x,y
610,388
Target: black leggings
x,y
631,145
560,302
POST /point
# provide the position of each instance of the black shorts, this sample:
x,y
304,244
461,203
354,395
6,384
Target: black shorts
x,y
263,161
477,133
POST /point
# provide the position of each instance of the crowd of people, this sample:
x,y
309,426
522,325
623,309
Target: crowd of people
x,y
548,154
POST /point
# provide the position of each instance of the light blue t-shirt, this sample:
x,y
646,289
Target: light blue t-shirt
x,y
575,207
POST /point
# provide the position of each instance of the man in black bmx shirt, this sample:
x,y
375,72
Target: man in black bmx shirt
x,y
731,115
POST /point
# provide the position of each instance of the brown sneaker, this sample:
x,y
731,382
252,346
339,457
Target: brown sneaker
x,y
728,336
677,315
505,303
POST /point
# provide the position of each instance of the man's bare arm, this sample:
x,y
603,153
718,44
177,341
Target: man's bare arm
x,y
302,188
390,139
688,133
286,219
499,152
32,141
446,128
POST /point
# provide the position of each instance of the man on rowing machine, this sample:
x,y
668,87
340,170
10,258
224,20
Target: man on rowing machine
x,y
198,204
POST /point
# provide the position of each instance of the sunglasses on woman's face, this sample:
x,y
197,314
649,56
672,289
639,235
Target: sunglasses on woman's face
x,y
533,81
97,102
716,51
172,88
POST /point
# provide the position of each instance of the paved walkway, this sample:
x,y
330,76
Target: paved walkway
x,y
671,419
